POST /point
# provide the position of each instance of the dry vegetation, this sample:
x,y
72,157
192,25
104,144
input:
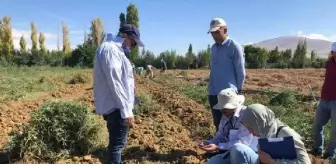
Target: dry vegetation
x,y
173,114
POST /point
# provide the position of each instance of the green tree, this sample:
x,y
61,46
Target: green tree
x,y
33,37
143,52
132,17
97,32
122,19
7,39
287,56
66,40
23,45
190,57
181,62
274,56
1,37
203,59
43,49
169,57
255,57
299,56
313,56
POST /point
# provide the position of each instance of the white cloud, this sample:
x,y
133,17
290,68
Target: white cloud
x,y
249,43
316,36
50,39
77,32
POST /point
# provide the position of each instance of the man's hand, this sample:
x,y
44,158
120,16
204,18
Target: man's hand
x,y
129,121
209,147
265,158
202,143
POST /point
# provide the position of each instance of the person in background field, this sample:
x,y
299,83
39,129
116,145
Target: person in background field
x,y
114,89
326,110
227,65
150,71
164,68
231,131
261,122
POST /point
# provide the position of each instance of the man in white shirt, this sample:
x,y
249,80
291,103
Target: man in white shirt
x,y
114,89
231,133
150,70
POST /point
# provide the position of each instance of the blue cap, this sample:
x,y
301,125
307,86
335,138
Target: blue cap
x,y
131,31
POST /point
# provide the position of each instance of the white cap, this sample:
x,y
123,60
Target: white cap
x,y
333,47
216,23
229,99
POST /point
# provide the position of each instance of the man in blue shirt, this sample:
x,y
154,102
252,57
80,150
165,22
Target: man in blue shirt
x,y
114,89
227,65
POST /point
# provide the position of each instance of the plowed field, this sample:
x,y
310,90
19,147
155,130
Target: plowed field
x,y
168,123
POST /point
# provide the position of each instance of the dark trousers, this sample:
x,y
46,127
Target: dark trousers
x,y
216,114
118,132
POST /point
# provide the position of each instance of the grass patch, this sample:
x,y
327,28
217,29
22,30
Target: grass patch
x,y
285,98
21,83
57,130
146,102
197,93
78,79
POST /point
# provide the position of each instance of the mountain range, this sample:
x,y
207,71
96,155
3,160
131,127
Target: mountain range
x,y
321,47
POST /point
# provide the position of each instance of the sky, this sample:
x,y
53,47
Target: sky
x,y
174,24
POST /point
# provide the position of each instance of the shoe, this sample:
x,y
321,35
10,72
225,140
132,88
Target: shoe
x,y
317,153
330,157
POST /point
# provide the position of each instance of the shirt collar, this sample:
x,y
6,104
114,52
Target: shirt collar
x,y
117,39
227,38
224,41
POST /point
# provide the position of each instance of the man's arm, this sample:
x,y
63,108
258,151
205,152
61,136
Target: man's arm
x,y
239,64
112,67
244,137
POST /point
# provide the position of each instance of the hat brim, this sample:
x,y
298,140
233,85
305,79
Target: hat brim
x,y
214,29
241,100
139,42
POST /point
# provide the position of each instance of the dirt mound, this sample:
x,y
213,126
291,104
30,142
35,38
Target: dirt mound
x,y
18,112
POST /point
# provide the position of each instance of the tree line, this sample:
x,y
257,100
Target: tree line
x,y
83,54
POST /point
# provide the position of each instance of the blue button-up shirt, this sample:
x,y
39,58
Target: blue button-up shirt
x,y
113,80
227,67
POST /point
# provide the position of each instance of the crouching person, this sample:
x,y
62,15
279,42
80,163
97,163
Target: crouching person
x,y
261,122
231,133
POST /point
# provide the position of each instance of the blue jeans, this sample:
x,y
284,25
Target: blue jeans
x,y
239,154
325,110
216,114
118,132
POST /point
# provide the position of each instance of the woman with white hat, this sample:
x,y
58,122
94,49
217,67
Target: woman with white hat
x,y
231,134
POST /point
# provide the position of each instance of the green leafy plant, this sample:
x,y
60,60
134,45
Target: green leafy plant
x,y
58,129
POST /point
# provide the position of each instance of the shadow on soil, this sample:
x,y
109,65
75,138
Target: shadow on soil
x,y
141,154
6,157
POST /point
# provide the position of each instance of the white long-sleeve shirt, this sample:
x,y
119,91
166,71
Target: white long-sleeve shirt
x,y
113,79
224,140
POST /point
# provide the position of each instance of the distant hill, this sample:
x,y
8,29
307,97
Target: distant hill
x,y
321,47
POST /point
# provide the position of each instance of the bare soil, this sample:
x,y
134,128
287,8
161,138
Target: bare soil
x,y
168,133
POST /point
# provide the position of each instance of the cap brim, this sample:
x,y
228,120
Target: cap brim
x,y
139,42
214,29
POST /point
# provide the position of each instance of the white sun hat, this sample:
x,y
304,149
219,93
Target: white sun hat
x,y
229,99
